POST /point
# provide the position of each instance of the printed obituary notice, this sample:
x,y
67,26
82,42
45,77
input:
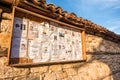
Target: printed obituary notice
x,y
20,28
45,41
19,39
19,48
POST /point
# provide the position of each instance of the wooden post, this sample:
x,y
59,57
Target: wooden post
x,y
7,1
1,14
0,18
83,45
9,48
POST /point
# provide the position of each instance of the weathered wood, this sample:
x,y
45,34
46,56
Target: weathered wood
x,y
3,51
38,2
45,63
1,14
83,45
9,48
7,1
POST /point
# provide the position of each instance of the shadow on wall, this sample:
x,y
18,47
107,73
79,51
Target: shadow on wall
x,y
103,59
95,70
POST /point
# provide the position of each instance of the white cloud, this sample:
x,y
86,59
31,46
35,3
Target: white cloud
x,y
114,25
104,4
114,28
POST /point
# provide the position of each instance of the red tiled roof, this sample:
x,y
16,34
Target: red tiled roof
x,y
50,10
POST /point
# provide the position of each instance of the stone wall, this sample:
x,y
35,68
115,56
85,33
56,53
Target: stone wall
x,y
99,44
103,61
5,26
105,51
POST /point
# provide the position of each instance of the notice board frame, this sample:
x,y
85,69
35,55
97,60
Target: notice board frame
x,y
50,19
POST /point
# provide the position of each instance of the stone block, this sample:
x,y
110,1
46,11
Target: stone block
x,y
20,71
3,51
1,72
59,75
50,76
34,76
39,69
108,78
3,61
35,69
6,26
7,15
8,72
89,57
71,72
84,76
20,78
2,66
75,77
4,39
66,66
55,68
102,48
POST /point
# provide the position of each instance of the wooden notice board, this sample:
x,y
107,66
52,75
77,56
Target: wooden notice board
x,y
37,39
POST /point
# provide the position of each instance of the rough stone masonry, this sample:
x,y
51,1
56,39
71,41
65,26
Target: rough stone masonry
x,y
103,60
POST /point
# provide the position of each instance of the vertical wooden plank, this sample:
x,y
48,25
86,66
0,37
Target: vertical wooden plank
x,y
83,45
28,20
12,22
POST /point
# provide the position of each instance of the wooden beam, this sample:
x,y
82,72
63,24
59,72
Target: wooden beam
x,y
3,51
7,1
47,18
45,63
12,22
83,46
1,14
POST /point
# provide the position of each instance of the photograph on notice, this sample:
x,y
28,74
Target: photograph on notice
x,y
34,50
46,28
33,30
45,52
23,48
62,53
40,29
54,51
46,25
19,47
52,28
45,31
61,36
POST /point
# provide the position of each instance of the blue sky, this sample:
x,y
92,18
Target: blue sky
x,y
102,12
